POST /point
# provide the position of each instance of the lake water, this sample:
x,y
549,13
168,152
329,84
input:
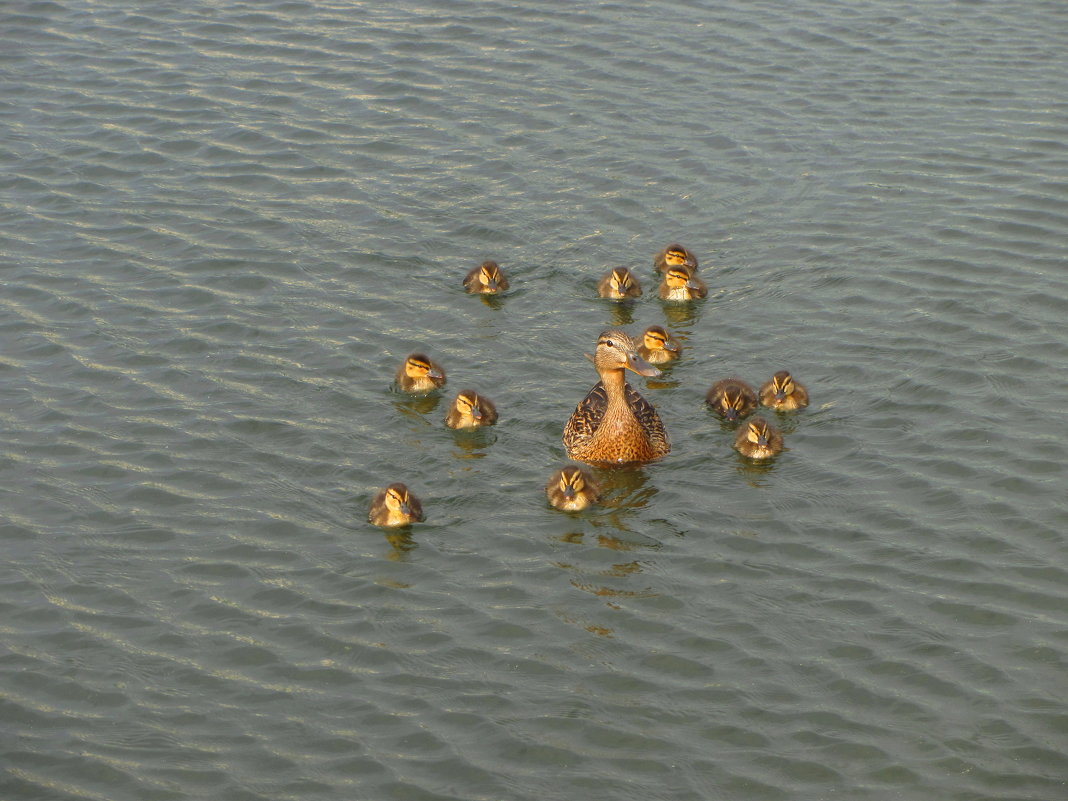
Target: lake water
x,y
225,224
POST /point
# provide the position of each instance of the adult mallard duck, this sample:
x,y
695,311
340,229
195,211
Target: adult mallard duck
x,y
619,284
486,279
680,283
395,506
571,488
757,439
783,394
613,424
674,256
731,398
471,410
658,346
419,374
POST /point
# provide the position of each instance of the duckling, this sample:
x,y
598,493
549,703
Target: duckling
x,y
419,374
674,256
619,284
471,410
395,506
486,279
658,346
783,394
571,488
758,440
731,398
613,423
681,284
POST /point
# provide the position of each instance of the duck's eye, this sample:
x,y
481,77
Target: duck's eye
x,y
610,343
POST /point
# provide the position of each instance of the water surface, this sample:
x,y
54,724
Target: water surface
x,y
224,226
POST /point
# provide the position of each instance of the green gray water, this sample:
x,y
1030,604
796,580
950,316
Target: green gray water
x,y
224,225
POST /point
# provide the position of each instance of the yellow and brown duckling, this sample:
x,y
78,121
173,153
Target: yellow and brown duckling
x,y
783,394
758,439
731,398
471,410
419,374
619,284
675,256
572,488
395,506
486,279
658,346
614,424
679,283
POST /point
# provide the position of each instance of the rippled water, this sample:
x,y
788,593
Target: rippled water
x,y
224,225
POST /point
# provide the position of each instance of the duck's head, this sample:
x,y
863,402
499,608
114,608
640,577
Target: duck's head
x,y
571,488
731,404
617,351
417,366
758,431
489,275
678,256
656,338
621,281
398,499
679,277
572,482
466,404
782,385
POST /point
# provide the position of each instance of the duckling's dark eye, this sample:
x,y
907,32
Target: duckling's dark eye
x,y
610,343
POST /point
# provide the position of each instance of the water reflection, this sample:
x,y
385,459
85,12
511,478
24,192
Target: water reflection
x,y
622,313
623,489
493,301
472,444
755,472
685,312
401,544
417,405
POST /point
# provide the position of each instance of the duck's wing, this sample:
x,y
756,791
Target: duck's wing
x,y
587,416
471,280
647,418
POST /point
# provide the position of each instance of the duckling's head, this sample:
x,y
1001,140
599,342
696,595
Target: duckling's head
x,y
733,403
401,503
622,281
656,338
571,488
417,367
466,405
679,277
678,256
758,431
489,275
782,385
617,351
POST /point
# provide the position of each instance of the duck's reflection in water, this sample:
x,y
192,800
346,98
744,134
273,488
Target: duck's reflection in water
x,y
682,313
472,444
494,301
622,313
417,406
755,472
624,490
401,544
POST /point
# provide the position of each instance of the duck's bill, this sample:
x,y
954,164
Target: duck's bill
x,y
640,366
